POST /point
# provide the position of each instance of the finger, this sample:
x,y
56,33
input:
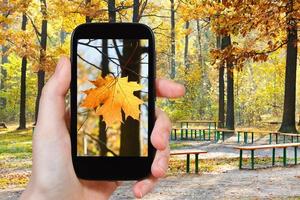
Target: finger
x,y
141,188
169,89
160,164
68,118
52,102
161,130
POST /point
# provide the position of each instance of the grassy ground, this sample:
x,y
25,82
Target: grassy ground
x,y
15,158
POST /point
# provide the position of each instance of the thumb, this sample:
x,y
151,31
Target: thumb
x,y
51,113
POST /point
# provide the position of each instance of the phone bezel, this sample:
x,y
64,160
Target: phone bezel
x,y
112,168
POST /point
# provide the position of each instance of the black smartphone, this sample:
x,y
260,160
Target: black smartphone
x,y
112,100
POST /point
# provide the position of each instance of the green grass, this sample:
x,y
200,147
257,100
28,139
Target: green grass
x,y
15,158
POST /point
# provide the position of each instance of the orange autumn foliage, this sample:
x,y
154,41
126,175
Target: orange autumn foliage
x,y
112,95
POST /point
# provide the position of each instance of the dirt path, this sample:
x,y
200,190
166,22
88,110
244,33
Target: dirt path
x,y
272,183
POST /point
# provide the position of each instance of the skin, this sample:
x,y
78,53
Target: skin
x,y
53,176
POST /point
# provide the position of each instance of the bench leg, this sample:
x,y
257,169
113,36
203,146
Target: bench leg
x,y
241,159
196,163
203,135
276,136
175,135
273,156
187,163
186,134
284,156
284,139
252,137
238,138
270,138
181,134
223,136
296,149
252,159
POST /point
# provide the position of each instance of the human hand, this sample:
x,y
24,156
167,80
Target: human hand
x,y
53,176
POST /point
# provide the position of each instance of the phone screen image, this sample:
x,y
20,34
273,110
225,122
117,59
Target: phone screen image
x,y
112,97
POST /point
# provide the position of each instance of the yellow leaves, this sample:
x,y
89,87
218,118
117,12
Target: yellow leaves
x,y
111,96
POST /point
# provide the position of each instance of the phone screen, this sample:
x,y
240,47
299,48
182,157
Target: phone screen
x,y
112,97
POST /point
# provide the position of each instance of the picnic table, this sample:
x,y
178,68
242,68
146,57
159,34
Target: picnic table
x,y
193,132
269,146
246,133
187,122
188,153
285,135
221,131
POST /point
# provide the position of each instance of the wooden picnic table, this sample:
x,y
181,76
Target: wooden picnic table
x,y
221,131
196,132
269,146
209,122
247,131
188,153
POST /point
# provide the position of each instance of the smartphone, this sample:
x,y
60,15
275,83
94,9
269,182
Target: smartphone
x,y
112,100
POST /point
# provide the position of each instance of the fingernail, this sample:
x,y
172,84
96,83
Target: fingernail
x,y
141,195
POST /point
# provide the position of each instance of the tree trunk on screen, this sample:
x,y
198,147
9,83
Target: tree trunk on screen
x,y
43,45
22,120
130,129
289,109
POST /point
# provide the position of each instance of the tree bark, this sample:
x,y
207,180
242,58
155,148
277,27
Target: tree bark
x,y
88,19
22,120
173,61
43,45
130,129
226,41
186,47
221,111
288,120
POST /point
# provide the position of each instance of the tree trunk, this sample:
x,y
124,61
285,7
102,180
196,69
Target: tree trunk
x,y
22,121
226,41
173,62
130,129
112,11
4,59
102,125
41,72
186,47
88,19
288,120
221,113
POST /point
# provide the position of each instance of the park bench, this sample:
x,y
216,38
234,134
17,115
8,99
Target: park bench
x,y
188,153
221,131
269,146
195,133
293,136
246,133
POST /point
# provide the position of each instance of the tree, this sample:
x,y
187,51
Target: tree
x,y
22,121
173,62
43,47
289,109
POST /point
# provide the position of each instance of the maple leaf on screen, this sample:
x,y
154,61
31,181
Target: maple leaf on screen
x,y
112,95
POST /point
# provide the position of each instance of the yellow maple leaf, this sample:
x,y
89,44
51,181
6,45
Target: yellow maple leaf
x,y
112,95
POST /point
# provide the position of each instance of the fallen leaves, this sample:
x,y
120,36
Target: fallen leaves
x,y
111,96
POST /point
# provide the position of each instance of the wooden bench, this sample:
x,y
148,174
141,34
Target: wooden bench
x,y
221,131
285,136
194,133
273,147
188,153
246,133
